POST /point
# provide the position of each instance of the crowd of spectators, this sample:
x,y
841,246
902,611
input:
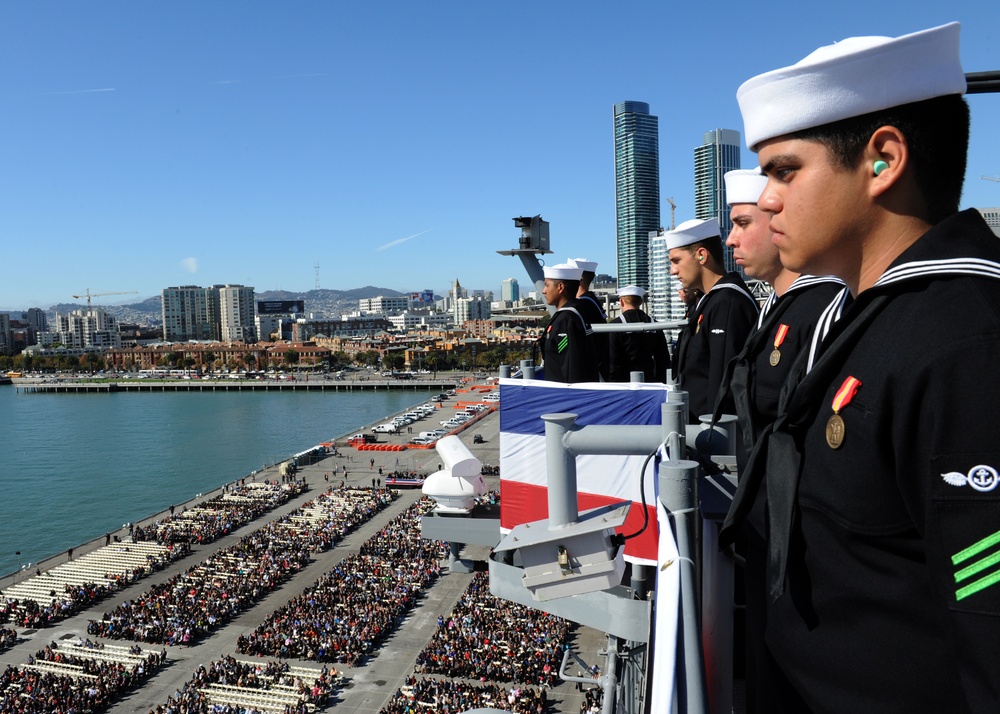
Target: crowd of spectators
x,y
349,611
239,504
76,683
487,638
31,613
250,677
429,696
192,604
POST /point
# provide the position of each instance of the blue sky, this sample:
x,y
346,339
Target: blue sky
x,y
150,144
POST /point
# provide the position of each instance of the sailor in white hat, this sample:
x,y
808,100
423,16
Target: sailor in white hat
x,y
567,351
881,471
720,322
754,379
590,307
645,352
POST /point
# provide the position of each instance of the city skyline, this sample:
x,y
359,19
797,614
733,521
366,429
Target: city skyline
x,y
150,146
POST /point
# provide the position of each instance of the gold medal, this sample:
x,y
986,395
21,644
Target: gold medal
x,y
835,431
779,337
835,427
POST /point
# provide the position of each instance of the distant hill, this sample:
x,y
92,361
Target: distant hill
x,y
321,295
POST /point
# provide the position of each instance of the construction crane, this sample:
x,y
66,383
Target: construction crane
x,y
89,295
673,207
990,178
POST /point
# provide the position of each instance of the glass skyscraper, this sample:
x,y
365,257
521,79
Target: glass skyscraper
x,y
509,290
637,189
718,153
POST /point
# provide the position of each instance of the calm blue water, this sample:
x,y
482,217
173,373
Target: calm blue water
x,y
73,466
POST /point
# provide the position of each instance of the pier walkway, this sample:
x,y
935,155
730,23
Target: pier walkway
x,y
370,685
223,385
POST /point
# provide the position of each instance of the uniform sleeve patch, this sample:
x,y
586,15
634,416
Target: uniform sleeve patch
x,y
971,543
982,566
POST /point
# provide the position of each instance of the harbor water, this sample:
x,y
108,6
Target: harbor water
x,y
75,466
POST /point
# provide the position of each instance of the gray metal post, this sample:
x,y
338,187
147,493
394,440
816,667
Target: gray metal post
x,y
505,371
610,679
678,493
637,376
527,369
560,466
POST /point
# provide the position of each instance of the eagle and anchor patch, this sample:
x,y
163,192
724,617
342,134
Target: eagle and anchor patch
x,y
982,478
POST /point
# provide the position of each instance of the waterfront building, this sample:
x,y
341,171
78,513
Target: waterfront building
x,y
361,326
637,189
89,328
190,313
385,305
719,152
509,290
236,313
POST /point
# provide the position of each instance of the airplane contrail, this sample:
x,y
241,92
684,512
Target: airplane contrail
x,y
398,241
86,91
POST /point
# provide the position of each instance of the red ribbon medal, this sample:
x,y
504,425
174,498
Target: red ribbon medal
x,y
835,427
779,337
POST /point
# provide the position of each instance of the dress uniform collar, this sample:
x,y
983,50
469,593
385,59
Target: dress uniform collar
x,y
803,282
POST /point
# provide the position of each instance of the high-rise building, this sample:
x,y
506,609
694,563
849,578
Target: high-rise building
x,y
471,308
663,298
6,336
221,312
719,152
509,290
637,189
237,313
87,328
190,313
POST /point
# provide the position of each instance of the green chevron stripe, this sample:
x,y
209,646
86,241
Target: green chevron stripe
x,y
977,567
978,585
976,548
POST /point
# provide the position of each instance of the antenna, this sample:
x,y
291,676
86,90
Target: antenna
x,y
317,275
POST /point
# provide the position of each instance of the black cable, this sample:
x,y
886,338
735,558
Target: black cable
x,y
642,497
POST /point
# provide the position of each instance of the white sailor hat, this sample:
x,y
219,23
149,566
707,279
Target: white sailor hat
x,y
744,185
692,231
850,78
633,290
562,271
587,266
